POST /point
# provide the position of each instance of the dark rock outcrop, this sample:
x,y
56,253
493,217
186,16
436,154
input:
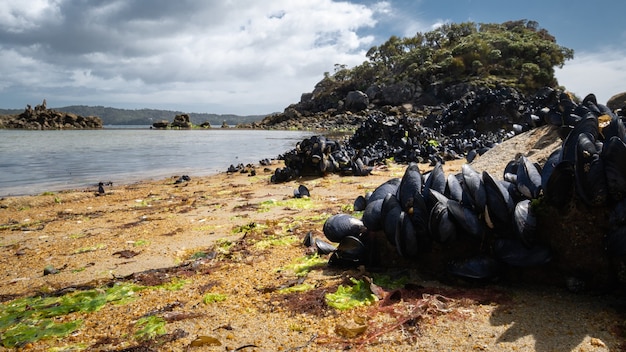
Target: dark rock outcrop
x,y
161,124
181,121
42,118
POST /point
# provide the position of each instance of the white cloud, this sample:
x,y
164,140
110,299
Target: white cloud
x,y
237,55
602,73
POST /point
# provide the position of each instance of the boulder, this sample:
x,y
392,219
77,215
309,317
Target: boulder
x,y
618,101
356,101
161,124
181,121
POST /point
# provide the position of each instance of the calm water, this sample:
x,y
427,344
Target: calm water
x,y
32,162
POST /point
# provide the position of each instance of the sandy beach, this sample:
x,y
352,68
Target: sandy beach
x,y
217,265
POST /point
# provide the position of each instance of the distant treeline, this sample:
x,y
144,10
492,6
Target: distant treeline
x,y
113,116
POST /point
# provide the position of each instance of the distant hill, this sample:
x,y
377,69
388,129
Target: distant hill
x,y
114,116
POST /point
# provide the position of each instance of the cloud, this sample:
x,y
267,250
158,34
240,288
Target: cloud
x,y
602,73
243,56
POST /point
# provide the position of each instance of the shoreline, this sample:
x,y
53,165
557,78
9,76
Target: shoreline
x,y
238,236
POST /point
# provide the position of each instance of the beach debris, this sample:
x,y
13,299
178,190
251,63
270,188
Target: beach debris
x,y
183,178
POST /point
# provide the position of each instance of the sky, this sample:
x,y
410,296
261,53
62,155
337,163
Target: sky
x,y
252,57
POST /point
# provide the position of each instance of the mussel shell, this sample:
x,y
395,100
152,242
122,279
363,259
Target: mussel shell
x,y
342,225
466,219
390,214
615,128
373,215
441,227
360,169
471,155
515,253
406,238
614,157
588,125
388,187
475,268
528,178
474,187
548,167
410,187
525,222
454,187
351,252
591,185
560,187
436,180
499,202
359,203
510,168
324,247
308,239
301,191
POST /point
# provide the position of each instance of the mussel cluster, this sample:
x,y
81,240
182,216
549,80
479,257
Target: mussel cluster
x,y
319,155
477,226
463,128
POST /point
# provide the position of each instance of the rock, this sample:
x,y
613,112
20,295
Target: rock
x,y
398,93
618,101
181,121
205,124
161,124
356,101
42,118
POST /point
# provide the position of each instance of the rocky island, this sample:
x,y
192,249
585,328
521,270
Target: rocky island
x,y
42,118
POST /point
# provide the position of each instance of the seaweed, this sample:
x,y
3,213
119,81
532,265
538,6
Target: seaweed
x,y
347,297
30,319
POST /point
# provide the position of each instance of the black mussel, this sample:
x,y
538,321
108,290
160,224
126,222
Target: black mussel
x,y
323,247
373,215
341,225
515,253
454,187
549,165
466,219
499,203
510,168
410,186
327,164
388,187
471,155
560,187
528,178
390,214
301,191
350,252
405,237
441,227
359,203
589,171
360,169
308,239
614,156
525,222
475,268
588,125
616,241
474,187
436,180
